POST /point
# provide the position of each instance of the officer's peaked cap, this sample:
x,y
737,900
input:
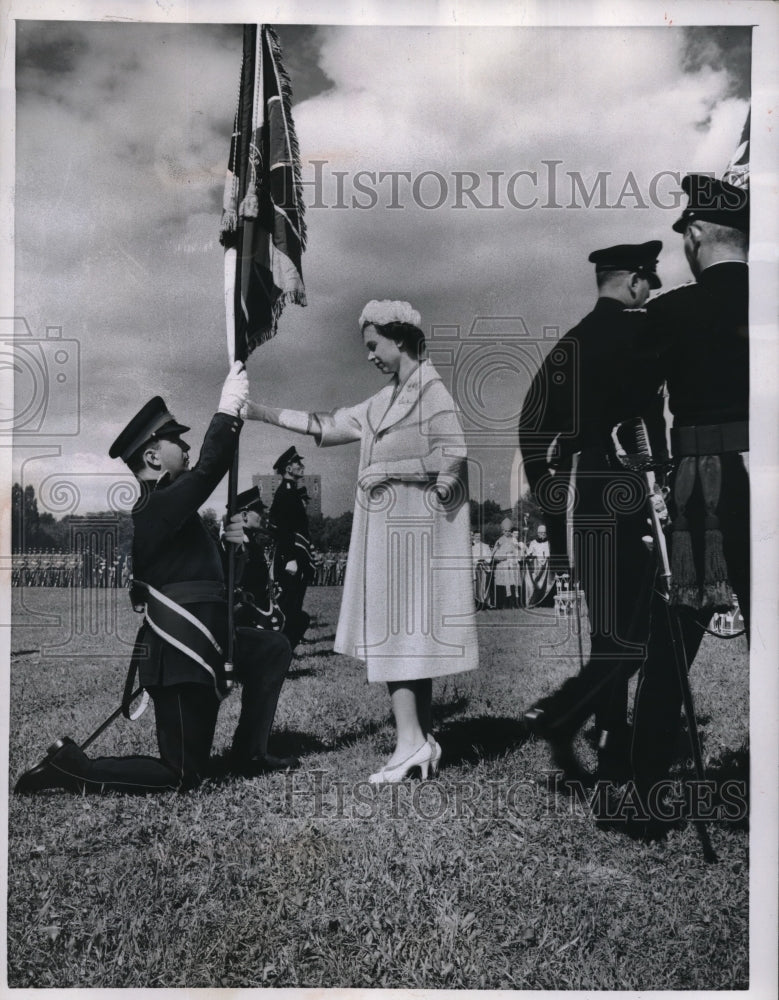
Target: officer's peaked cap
x,y
249,500
712,200
289,456
154,420
638,257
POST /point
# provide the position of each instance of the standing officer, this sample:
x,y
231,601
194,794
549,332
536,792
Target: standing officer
x,y
698,335
292,557
179,651
589,383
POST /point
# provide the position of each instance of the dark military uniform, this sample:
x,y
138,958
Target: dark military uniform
x,y
698,334
697,337
589,383
254,575
174,553
256,607
289,523
171,550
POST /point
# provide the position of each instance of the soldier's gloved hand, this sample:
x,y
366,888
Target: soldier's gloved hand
x,y
233,530
291,567
235,390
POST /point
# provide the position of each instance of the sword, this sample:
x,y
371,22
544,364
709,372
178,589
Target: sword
x,y
677,644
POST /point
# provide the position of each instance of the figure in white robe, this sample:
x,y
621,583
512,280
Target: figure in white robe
x,y
505,562
538,575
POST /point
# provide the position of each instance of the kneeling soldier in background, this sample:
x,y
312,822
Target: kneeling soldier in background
x,y
292,556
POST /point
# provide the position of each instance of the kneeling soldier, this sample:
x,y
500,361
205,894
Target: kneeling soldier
x,y
292,556
179,652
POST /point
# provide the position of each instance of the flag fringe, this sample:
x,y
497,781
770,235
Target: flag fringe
x,y
297,298
228,225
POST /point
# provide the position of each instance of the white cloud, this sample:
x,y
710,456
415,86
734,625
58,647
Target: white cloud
x,y
120,165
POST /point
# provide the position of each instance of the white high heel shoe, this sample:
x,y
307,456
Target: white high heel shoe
x,y
437,752
419,758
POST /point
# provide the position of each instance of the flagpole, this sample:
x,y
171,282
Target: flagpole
x,y
236,352
236,280
230,265
263,164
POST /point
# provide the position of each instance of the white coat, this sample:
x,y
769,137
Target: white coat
x,y
407,607
506,556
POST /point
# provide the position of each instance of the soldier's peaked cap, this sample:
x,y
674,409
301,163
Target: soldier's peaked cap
x,y
290,455
638,257
249,500
711,200
153,420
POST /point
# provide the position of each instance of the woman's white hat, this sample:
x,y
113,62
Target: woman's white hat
x,y
380,313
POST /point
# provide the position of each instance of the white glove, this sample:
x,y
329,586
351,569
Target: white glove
x,y
291,567
235,390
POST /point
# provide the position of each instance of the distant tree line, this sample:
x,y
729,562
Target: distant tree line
x,y
35,530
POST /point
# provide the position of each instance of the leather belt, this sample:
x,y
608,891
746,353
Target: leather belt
x,y
710,439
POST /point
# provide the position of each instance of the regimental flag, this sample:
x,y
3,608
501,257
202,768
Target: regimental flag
x,y
262,228
737,171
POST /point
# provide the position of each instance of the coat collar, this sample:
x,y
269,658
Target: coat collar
x,y
408,397
606,303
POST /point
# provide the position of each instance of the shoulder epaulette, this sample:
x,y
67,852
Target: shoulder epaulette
x,y
670,291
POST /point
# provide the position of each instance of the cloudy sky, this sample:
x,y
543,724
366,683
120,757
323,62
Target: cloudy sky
x,y
569,138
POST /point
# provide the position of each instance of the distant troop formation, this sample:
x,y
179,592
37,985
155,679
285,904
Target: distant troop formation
x,y
69,569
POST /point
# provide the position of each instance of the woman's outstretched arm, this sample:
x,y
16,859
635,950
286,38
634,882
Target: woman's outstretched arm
x,y
291,420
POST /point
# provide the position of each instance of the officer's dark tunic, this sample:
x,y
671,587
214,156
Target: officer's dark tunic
x,y
590,382
171,545
698,336
289,519
174,553
254,573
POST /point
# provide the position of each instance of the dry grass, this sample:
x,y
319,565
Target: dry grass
x,y
483,879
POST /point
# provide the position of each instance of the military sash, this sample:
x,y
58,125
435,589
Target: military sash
x,y
167,616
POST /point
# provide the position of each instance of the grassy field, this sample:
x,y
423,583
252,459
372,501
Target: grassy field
x,y
488,877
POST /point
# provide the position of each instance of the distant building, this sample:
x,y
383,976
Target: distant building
x,y
313,484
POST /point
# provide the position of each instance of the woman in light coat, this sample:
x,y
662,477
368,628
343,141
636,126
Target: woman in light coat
x,y
407,608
